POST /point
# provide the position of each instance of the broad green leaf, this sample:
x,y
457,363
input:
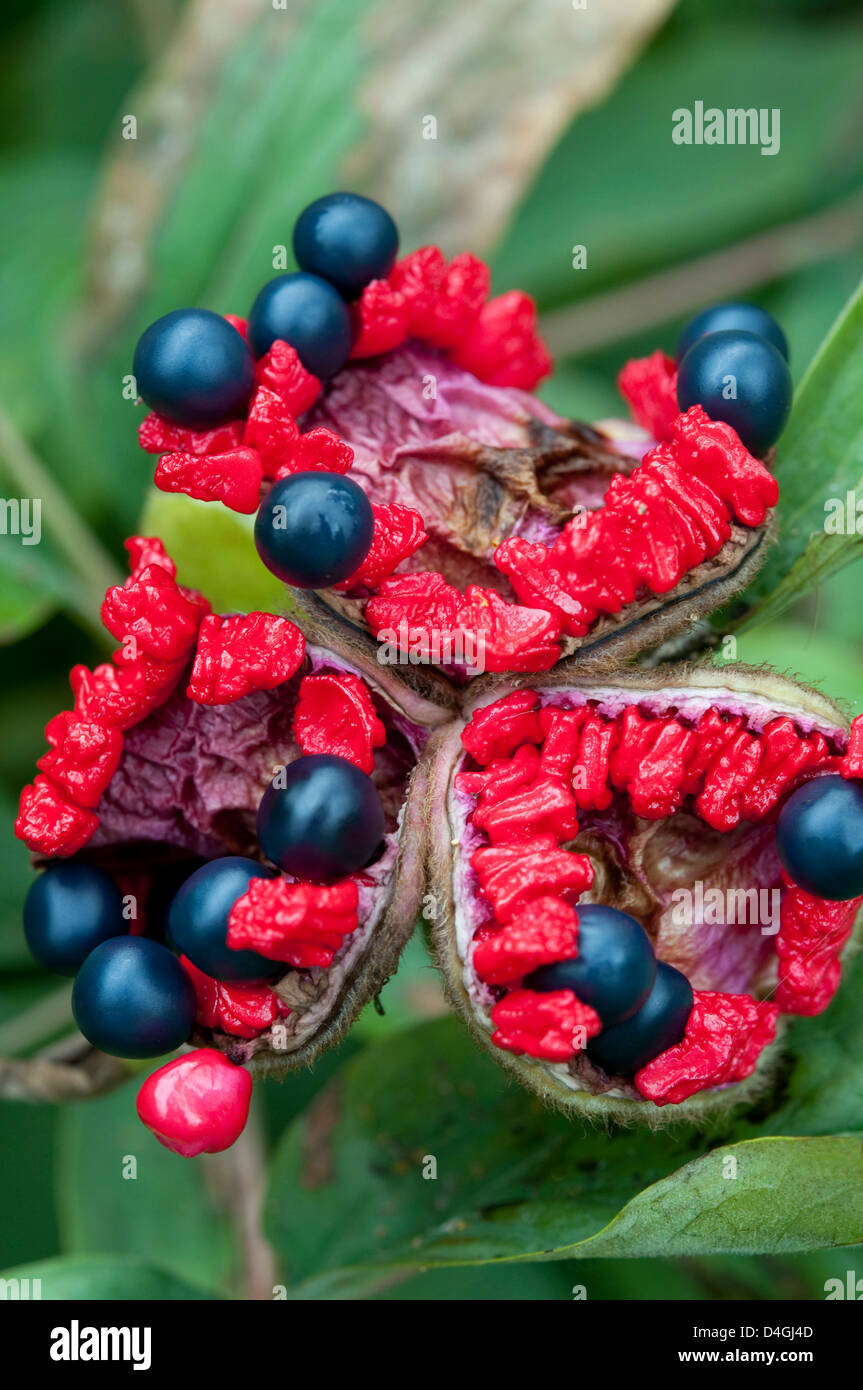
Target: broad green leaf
x,y
782,1194
101,1278
206,219
165,1214
503,87
349,1204
22,607
819,459
414,993
214,552
347,1187
44,198
281,1099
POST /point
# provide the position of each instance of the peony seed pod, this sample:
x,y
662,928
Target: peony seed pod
x,y
597,845
503,536
547,537
654,793
206,713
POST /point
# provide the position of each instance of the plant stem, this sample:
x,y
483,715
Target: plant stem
x,y
607,318
38,1024
238,1178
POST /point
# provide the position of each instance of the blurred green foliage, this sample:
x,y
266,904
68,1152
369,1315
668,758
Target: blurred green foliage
x,y
615,183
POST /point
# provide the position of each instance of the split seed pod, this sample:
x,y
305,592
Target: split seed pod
x,y
161,765
601,540
677,776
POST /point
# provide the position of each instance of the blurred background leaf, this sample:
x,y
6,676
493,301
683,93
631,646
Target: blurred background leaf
x,y
163,1214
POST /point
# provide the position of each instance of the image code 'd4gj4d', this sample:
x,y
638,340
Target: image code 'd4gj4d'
x,y
435,710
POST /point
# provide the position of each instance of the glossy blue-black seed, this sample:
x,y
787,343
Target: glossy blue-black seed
x,y
735,316
321,819
165,881
193,367
615,966
133,998
348,240
198,920
71,908
623,1048
313,529
819,837
310,314
741,379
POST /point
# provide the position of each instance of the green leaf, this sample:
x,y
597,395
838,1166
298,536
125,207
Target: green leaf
x,y
348,1198
820,457
783,1194
44,200
214,552
103,1278
32,587
349,1205
165,1214
205,226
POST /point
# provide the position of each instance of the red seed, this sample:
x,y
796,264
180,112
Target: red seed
x,y
281,370
271,430
49,823
398,532
724,1037
649,386
335,714
498,729
245,652
302,924
512,875
443,300
544,932
159,436
154,611
199,1103
503,347
232,478
553,1026
242,1010
83,757
380,320
812,933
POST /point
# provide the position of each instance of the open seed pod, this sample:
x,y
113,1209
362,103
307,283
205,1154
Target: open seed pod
x,y
597,540
655,793
160,768
504,537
